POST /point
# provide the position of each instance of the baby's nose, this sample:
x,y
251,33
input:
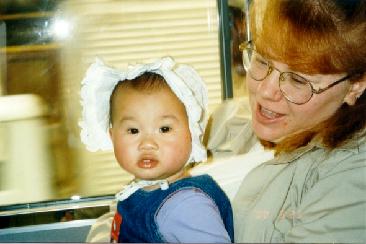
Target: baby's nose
x,y
148,142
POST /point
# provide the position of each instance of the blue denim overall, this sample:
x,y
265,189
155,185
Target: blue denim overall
x,y
140,209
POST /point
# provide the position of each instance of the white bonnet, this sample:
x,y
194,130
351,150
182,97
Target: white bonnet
x,y
100,80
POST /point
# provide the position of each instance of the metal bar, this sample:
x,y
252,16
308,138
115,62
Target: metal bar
x,y
247,20
225,49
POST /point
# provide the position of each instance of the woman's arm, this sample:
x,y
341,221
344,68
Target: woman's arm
x,y
100,231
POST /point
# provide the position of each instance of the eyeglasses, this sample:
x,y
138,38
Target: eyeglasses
x,y
295,88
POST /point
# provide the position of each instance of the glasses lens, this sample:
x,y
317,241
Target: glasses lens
x,y
255,64
247,55
295,88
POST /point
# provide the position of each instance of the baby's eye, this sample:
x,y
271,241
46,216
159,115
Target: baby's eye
x,y
165,129
132,131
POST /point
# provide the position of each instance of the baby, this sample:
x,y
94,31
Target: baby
x,y
153,116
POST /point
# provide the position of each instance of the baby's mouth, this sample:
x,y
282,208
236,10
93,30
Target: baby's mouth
x,y
145,163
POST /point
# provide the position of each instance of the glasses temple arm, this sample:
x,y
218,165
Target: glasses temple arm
x,y
320,90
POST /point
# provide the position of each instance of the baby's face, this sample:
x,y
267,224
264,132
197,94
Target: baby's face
x,y
150,133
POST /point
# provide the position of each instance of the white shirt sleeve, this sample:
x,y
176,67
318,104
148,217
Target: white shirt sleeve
x,y
190,216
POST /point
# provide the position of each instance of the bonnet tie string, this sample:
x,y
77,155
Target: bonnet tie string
x,y
134,186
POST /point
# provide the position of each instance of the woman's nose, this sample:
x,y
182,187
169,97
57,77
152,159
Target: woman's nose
x,y
148,142
269,88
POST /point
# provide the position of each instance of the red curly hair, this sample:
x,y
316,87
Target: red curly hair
x,y
316,37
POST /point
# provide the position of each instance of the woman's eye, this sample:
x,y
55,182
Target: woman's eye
x,y
297,80
260,60
132,131
165,129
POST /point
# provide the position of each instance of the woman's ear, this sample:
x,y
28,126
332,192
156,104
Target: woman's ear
x,y
355,91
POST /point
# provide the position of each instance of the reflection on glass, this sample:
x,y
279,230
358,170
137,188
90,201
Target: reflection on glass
x,y
238,33
45,48
60,29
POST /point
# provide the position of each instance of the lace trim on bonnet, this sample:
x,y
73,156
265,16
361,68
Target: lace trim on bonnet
x,y
100,80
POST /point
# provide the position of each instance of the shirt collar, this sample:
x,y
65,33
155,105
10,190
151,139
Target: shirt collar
x,y
352,145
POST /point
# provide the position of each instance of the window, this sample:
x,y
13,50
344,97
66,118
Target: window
x,y
45,49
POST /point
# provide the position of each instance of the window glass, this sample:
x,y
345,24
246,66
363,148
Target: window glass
x,y
45,49
238,35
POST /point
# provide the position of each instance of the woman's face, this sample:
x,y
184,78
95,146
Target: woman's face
x,y
275,118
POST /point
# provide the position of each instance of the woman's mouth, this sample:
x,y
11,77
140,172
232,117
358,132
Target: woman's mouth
x,y
147,163
265,115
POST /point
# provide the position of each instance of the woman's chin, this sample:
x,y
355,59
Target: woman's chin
x,y
268,134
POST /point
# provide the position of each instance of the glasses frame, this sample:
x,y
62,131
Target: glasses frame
x,y
248,47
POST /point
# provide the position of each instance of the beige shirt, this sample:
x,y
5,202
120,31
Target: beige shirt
x,y
310,195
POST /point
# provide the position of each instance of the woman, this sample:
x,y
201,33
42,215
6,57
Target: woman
x,y
306,79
